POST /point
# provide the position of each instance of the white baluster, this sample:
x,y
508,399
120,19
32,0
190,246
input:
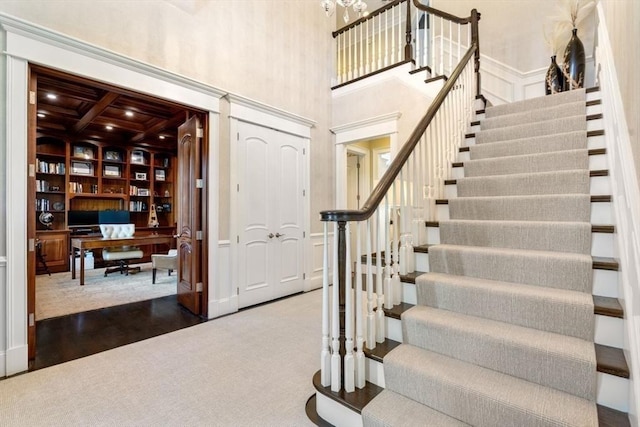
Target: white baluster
x,y
450,48
350,71
395,279
349,362
371,326
402,251
344,58
380,329
393,38
336,365
388,294
360,371
399,26
367,68
441,46
325,355
386,39
361,44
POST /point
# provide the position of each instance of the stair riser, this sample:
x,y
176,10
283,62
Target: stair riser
x,y
374,372
601,213
597,185
612,391
602,245
335,413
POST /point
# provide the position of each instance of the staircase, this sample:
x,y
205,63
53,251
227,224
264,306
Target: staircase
x,y
512,318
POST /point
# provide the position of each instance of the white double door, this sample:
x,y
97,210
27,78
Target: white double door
x,y
270,215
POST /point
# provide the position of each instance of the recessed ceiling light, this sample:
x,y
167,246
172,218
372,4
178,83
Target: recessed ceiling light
x,y
41,115
52,96
161,136
108,127
128,113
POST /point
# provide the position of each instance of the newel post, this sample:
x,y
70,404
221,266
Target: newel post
x,y
408,49
342,261
475,39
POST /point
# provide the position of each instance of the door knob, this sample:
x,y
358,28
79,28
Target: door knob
x,y
270,235
279,235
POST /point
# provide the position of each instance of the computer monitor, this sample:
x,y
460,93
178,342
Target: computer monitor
x,y
113,217
82,218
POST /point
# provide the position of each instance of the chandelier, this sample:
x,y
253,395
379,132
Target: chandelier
x,y
359,7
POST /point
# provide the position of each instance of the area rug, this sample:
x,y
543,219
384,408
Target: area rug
x,y
58,295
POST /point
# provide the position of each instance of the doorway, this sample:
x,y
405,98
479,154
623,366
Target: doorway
x,y
25,45
101,149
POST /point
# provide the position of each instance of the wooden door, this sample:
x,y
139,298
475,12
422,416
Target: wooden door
x,y
270,250
31,216
189,216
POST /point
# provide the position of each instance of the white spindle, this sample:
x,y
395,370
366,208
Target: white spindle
x,y
380,60
349,362
361,44
336,364
450,48
441,46
360,371
425,38
325,354
402,252
393,37
380,329
350,66
388,294
386,39
344,58
367,67
459,45
400,32
371,326
395,279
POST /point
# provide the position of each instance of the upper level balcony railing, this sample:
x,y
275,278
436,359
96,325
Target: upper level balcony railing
x,y
398,33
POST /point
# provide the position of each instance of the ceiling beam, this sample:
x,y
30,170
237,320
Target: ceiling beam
x,y
161,125
95,111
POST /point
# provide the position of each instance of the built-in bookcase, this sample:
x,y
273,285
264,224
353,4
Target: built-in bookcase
x,y
90,176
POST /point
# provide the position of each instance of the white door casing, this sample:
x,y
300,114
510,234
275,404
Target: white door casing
x,y
25,44
270,195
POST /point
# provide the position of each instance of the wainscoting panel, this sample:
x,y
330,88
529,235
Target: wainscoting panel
x,y
317,245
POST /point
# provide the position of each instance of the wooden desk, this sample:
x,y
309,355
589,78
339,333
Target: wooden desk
x,y
84,243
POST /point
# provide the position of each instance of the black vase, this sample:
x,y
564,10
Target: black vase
x,y
554,80
574,63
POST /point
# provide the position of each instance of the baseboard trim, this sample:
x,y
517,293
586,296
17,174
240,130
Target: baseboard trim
x,y
223,306
16,360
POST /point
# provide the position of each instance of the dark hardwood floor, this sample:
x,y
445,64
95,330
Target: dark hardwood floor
x,y
70,337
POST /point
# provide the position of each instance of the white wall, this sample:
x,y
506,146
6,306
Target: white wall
x,y
275,52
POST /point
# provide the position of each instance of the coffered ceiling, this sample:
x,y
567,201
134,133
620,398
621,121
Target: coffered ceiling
x,y
81,110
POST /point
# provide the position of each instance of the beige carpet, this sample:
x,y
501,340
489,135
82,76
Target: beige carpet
x,y
252,368
58,294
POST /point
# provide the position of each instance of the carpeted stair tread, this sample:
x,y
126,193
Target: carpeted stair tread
x,y
541,268
547,127
391,409
480,396
534,235
542,144
538,115
555,182
554,207
552,360
528,163
548,309
536,103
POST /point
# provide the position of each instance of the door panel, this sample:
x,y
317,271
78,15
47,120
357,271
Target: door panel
x,y
189,216
271,224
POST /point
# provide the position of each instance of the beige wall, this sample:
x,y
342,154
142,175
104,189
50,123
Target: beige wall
x,y
388,97
622,19
276,52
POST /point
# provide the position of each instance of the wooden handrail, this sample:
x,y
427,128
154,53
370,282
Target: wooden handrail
x,y
400,159
442,14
